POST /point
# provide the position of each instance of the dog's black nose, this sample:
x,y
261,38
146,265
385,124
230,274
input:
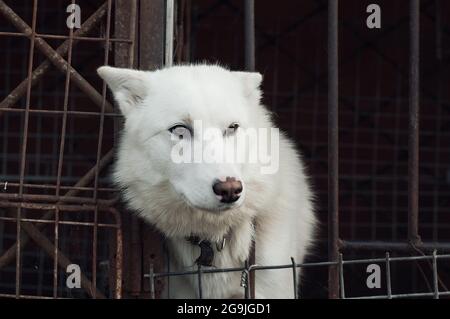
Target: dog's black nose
x,y
229,191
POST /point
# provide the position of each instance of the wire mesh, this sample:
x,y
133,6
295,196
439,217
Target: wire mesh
x,y
384,290
56,203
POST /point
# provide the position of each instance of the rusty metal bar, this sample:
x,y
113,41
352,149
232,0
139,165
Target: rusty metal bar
x,y
46,221
168,45
294,277
438,29
333,149
64,118
48,186
392,246
249,52
54,57
125,26
99,150
245,280
413,129
399,296
180,30
135,255
125,55
435,276
151,35
388,276
199,281
55,254
104,102
62,50
152,282
341,276
187,26
65,37
119,253
54,198
58,112
27,297
24,146
249,35
94,250
149,56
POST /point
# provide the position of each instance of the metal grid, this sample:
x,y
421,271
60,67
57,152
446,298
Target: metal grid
x,y
46,187
249,285
56,205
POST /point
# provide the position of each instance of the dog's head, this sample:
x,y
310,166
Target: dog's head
x,y
179,122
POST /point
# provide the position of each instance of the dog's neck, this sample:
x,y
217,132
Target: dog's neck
x,y
235,251
207,248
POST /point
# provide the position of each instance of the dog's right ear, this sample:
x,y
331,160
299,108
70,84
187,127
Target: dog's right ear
x,y
128,86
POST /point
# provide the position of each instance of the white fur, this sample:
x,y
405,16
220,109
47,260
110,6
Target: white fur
x,y
178,198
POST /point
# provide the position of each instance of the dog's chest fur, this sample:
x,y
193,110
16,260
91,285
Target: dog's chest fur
x,y
183,255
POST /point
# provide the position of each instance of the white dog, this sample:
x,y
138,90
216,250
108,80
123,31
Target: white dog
x,y
210,211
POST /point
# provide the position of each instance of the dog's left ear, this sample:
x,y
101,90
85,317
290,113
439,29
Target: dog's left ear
x,y
128,86
251,82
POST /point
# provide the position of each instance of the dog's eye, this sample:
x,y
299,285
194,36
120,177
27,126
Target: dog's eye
x,y
180,130
231,129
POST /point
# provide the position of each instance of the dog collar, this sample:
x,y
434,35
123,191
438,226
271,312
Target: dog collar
x,y
206,250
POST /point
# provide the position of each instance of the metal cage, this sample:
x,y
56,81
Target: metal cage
x,y
58,131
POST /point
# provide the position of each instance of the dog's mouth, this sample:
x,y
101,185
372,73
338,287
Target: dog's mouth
x,y
221,207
